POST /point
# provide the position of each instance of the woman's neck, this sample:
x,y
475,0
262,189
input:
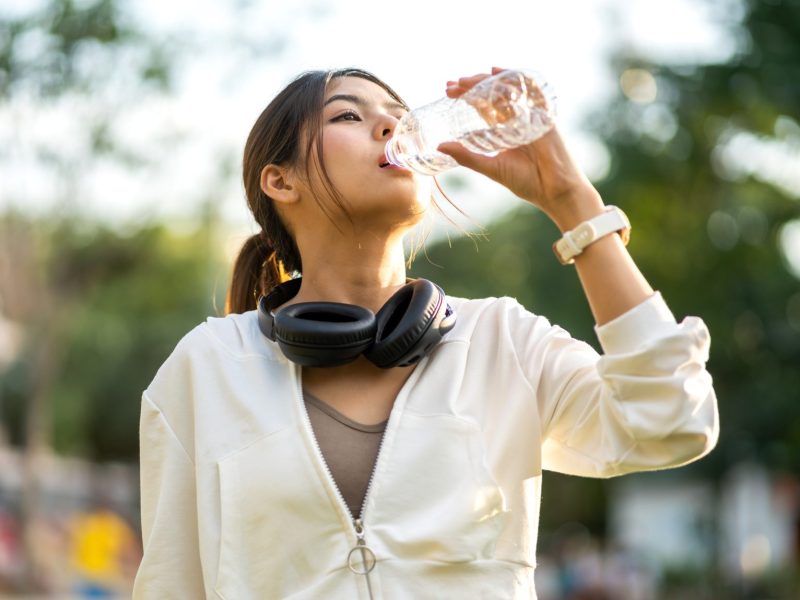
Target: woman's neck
x,y
364,270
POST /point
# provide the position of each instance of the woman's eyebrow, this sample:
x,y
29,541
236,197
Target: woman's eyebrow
x,y
358,101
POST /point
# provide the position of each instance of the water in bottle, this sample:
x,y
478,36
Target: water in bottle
x,y
507,110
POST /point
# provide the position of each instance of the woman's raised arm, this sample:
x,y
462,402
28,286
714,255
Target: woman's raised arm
x,y
545,174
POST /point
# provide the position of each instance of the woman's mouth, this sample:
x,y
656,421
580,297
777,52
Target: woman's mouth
x,y
391,167
384,163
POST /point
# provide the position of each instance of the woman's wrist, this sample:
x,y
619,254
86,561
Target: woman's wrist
x,y
573,209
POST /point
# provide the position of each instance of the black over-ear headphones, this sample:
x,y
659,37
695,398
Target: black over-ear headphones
x,y
328,334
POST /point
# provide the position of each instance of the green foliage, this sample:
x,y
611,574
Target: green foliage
x,y
706,237
75,46
709,240
516,261
125,302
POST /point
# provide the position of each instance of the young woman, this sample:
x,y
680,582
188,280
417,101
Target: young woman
x,y
303,448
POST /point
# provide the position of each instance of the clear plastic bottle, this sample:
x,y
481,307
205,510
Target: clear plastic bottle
x,y
503,111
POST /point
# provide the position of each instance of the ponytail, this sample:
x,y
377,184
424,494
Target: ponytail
x,y
256,271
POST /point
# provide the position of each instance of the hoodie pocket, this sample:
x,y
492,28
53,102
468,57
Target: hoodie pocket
x,y
279,532
435,498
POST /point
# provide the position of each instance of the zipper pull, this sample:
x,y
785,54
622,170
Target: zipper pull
x,y
361,551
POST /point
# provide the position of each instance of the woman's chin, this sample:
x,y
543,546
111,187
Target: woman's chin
x,y
409,201
414,208
393,212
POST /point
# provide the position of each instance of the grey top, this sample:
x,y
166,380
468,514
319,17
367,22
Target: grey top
x,y
349,449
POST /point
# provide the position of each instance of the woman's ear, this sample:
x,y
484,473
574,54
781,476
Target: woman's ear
x,y
278,183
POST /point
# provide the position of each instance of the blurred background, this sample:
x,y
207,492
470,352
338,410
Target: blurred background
x,y
121,209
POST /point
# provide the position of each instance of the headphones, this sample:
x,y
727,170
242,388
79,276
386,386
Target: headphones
x,y
329,334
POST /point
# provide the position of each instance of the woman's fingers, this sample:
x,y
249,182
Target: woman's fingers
x,y
472,79
476,162
461,85
457,87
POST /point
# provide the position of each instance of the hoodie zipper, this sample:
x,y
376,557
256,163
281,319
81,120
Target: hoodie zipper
x,y
368,558
361,559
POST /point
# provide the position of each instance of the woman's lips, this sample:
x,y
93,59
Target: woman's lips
x,y
385,164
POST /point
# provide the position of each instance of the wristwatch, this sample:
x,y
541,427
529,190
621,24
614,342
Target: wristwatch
x,y
611,220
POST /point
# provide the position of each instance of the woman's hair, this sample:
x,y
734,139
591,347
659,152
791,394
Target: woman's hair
x,y
293,117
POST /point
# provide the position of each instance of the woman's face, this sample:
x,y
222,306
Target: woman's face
x,y
358,117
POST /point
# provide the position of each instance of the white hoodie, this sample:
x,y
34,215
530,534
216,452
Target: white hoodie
x,y
237,502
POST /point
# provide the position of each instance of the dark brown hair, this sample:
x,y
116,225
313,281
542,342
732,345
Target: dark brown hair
x,y
271,256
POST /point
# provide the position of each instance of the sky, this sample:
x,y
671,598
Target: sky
x,y
418,45
239,59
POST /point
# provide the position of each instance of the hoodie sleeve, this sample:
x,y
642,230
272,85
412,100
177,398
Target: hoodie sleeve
x,y
170,566
646,403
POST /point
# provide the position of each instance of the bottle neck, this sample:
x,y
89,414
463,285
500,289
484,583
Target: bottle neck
x,y
392,153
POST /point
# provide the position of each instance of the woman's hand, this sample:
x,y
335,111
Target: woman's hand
x,y
542,172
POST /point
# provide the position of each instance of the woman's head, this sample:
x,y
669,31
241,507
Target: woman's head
x,y
314,143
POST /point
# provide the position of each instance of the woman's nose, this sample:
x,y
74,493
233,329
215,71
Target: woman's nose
x,y
386,126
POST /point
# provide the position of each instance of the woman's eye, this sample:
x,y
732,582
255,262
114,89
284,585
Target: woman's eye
x,y
347,116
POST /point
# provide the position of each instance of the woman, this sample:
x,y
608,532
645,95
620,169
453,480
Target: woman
x,y
261,470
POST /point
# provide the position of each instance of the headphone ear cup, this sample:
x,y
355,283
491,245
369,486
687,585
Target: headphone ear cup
x,y
411,322
324,334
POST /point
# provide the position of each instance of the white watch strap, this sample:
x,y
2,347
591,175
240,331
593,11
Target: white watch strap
x,y
611,220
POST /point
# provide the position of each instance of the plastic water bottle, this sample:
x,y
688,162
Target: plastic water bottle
x,y
506,110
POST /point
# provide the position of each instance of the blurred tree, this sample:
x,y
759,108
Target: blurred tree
x,y
704,161
57,53
99,310
86,62
125,302
85,59
63,46
112,308
708,170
